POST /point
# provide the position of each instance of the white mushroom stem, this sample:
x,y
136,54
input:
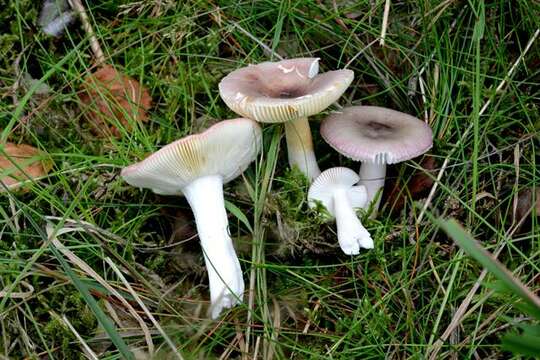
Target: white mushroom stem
x,y
205,196
372,176
300,147
352,235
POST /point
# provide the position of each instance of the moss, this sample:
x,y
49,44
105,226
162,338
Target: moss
x,y
15,34
59,301
297,229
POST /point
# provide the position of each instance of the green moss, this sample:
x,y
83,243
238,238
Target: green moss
x,y
298,229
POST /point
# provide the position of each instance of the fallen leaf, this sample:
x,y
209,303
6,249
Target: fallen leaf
x,y
27,158
417,187
525,203
111,98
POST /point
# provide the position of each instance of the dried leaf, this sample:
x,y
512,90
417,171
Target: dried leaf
x,y
111,99
417,187
27,158
525,203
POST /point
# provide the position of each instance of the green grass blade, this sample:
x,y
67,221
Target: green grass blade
x,y
103,319
233,209
474,249
522,344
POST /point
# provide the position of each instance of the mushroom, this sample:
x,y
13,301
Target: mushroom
x,y
376,136
197,166
335,189
286,92
20,164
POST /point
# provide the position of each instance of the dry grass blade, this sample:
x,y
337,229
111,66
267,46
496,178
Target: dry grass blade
x,y
94,43
270,350
461,312
470,127
259,42
53,234
18,294
141,304
87,350
527,200
385,21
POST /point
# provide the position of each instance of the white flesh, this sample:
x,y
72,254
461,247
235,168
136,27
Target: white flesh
x,y
300,147
352,235
372,177
205,196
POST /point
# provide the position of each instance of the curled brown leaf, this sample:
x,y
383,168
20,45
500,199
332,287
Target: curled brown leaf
x,y
15,158
111,99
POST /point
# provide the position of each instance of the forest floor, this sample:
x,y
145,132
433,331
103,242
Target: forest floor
x,y
124,260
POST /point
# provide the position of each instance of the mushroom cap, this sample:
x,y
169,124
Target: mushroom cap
x,y
225,149
376,134
335,179
275,92
27,158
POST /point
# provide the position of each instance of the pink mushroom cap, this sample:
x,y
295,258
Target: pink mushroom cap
x,y
376,134
276,92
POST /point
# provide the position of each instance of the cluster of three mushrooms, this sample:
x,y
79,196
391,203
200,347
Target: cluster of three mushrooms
x,y
288,92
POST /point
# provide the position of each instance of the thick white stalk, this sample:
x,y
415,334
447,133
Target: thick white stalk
x,y
205,196
372,177
352,235
300,147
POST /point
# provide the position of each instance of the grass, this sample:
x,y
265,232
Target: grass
x,y
442,62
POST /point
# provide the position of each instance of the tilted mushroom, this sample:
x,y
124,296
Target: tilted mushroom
x,y
197,166
335,188
286,92
376,136
20,164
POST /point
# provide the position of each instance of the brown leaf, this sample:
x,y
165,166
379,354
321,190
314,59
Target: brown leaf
x,y
28,159
525,203
110,97
417,187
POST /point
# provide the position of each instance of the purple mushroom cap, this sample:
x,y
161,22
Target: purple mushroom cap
x,y
375,134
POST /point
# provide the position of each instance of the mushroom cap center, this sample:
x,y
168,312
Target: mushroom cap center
x,y
377,130
288,86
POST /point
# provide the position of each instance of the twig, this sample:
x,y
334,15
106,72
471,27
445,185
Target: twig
x,y
385,21
94,44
